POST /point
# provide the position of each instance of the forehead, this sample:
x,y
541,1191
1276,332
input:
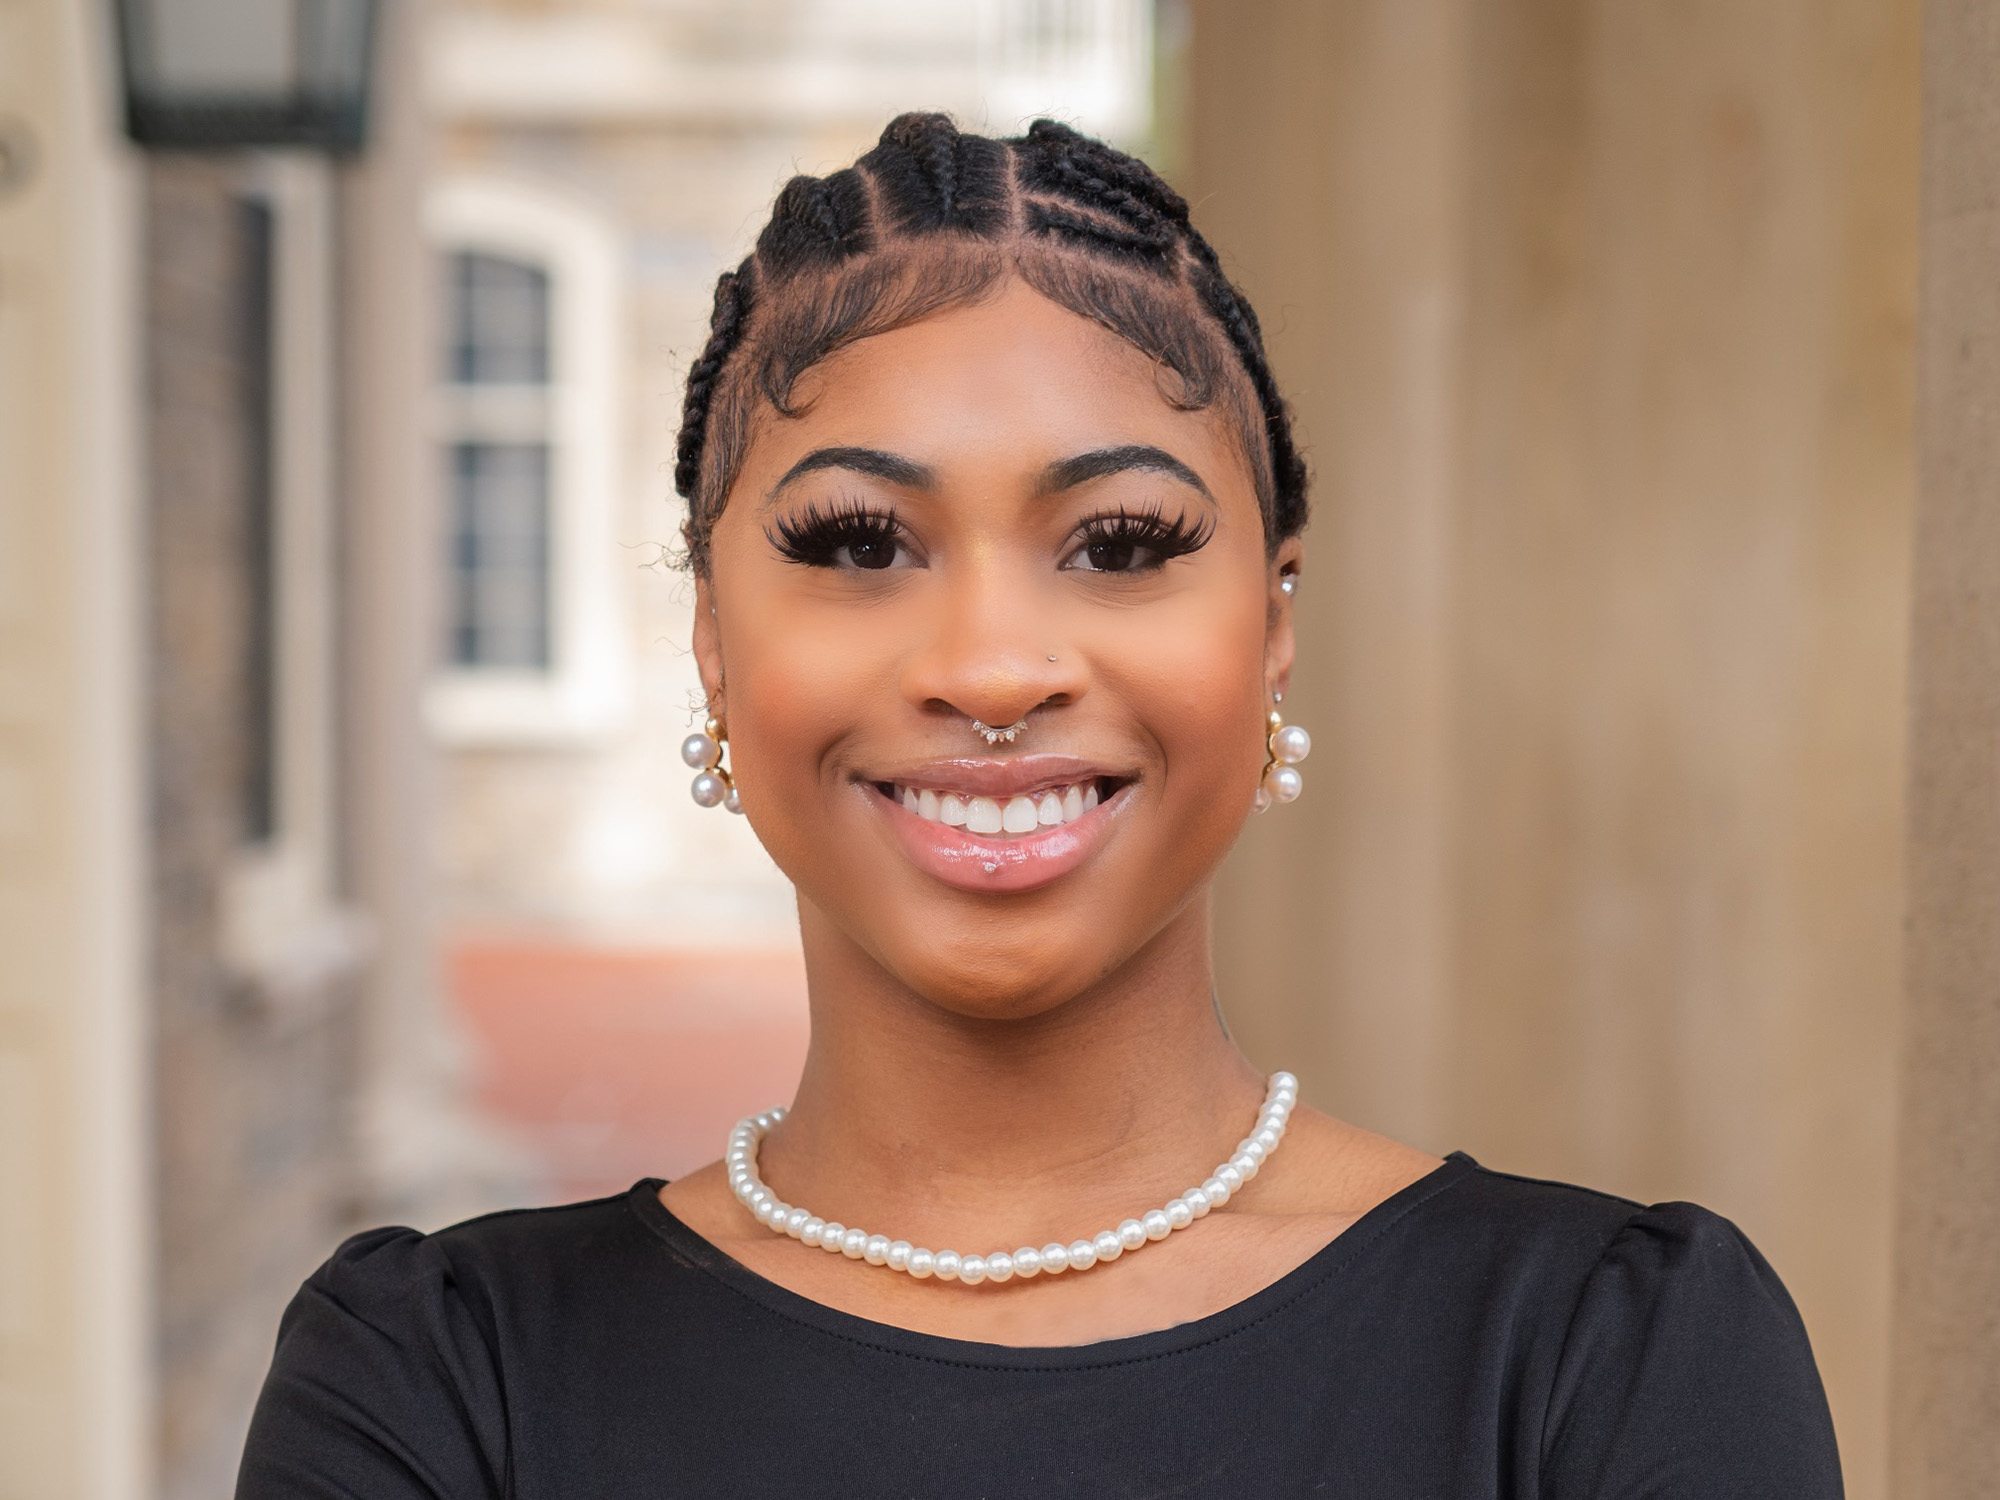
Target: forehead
x,y
992,388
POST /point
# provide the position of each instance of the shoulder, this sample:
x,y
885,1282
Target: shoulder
x,y
391,1361
475,1259
1673,1360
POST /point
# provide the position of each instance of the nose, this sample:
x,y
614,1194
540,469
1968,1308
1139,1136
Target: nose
x,y
992,655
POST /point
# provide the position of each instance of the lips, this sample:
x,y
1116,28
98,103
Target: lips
x,y
1001,827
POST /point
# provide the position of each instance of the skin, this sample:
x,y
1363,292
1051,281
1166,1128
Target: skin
x,y
989,1069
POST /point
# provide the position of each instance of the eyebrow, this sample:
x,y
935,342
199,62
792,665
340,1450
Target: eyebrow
x,y
874,462
1100,463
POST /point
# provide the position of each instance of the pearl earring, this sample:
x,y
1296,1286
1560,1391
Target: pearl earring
x,y
713,785
1285,745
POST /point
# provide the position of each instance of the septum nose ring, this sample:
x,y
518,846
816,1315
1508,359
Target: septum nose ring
x,y
994,736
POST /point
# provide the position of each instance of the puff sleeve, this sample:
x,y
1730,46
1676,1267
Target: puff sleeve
x,y
383,1385
1686,1372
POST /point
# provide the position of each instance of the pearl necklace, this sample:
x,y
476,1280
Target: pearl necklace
x,y
948,1265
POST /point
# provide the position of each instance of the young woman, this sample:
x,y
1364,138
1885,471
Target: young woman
x,y
994,517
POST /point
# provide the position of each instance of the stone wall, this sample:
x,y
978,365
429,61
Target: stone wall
x,y
254,1165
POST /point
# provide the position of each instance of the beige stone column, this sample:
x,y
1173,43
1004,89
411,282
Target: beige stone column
x,y
413,1137
75,1201
1946,1435
1598,316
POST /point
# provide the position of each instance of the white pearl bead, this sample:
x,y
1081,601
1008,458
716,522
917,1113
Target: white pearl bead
x,y
731,802
1055,1258
1179,1215
1284,1080
1254,1149
1229,1177
1291,744
999,1266
1082,1255
899,1255
876,1250
972,1270
1027,1262
1284,783
1247,1165
772,1213
831,1236
945,1266
699,751
708,789
922,1262
1261,802
1217,1192
809,1231
1196,1200
1131,1234
1267,1137
1108,1246
1158,1225
795,1222
854,1243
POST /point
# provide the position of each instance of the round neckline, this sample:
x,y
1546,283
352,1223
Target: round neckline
x,y
1328,1261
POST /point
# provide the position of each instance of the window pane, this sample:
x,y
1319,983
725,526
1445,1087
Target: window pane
x,y
499,320
500,555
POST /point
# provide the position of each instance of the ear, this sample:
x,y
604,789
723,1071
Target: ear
x,y
708,643
1280,636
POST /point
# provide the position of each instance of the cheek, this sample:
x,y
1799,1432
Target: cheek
x,y
1193,677
794,680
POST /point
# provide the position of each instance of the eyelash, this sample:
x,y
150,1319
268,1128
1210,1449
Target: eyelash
x,y
1149,529
816,536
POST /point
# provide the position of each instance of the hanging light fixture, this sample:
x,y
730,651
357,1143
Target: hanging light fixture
x,y
217,74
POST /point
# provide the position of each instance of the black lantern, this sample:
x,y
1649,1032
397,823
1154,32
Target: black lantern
x,y
215,74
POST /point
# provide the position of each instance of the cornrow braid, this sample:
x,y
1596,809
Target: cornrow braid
x,y
932,217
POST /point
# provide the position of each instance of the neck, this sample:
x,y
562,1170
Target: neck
x,y
931,1122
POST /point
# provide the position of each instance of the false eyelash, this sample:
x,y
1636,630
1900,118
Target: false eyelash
x,y
814,535
1148,527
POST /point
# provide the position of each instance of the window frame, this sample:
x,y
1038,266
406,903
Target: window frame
x,y
584,694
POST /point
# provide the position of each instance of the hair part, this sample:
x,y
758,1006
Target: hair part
x,y
934,218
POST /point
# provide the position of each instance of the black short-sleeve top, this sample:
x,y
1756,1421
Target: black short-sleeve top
x,y
1476,1335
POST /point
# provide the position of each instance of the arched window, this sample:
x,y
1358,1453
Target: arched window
x,y
535,648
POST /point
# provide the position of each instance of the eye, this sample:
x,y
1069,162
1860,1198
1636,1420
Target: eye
x,y
1136,541
847,535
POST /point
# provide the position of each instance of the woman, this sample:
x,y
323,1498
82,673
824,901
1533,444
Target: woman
x,y
994,517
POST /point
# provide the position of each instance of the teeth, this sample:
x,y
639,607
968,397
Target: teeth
x,y
982,815
990,815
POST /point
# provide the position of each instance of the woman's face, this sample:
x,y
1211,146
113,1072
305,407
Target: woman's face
x,y
993,515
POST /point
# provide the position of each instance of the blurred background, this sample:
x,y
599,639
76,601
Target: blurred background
x,y
1651,629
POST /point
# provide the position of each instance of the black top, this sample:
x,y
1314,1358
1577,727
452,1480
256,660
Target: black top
x,y
1475,1335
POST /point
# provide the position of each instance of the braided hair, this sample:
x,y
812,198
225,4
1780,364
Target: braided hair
x,y
933,217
